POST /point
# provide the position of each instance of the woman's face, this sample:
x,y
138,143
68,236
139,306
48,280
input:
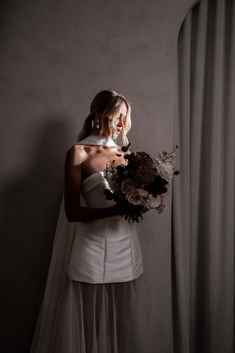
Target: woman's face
x,y
119,118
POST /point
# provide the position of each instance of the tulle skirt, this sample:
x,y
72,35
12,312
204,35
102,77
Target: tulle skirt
x,y
79,317
91,318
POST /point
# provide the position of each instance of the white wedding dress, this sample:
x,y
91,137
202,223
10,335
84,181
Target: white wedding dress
x,y
90,289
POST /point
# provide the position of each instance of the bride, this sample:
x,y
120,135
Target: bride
x,y
90,291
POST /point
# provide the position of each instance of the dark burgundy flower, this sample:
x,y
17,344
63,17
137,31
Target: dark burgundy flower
x,y
120,170
157,186
125,148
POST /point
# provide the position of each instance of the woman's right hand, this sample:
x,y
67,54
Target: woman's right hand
x,y
118,210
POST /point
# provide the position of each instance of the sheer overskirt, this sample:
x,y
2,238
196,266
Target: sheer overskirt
x,y
96,318
93,318
80,317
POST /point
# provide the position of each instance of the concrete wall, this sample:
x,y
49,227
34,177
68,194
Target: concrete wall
x,y
55,56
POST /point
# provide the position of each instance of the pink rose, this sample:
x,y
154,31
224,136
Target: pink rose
x,y
133,197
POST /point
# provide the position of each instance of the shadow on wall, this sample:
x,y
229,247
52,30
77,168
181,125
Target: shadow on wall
x,y
29,210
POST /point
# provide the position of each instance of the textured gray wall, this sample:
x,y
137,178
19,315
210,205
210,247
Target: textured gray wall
x,y
55,56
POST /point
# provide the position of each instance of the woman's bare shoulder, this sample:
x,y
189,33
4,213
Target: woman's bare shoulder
x,y
77,154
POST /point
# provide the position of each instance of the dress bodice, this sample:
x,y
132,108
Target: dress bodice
x,y
92,191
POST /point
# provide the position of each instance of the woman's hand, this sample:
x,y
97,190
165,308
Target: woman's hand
x,y
118,210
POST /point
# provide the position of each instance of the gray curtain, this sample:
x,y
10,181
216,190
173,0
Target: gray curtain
x,y
203,289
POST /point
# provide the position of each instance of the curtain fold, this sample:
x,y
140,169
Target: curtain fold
x,y
203,192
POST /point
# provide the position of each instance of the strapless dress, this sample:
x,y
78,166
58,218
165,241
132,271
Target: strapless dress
x,y
105,250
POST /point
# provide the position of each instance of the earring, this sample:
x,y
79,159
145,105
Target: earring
x,y
97,125
124,137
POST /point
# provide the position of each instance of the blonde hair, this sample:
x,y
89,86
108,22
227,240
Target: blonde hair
x,y
106,103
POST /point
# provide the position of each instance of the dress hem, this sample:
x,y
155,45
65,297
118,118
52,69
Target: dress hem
x,y
77,279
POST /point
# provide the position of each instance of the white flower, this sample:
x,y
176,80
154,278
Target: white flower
x,y
152,202
165,170
164,164
166,157
134,197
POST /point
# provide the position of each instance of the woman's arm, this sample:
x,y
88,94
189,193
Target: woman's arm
x,y
87,214
74,212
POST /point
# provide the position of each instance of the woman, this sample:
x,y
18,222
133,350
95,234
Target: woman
x,y
96,258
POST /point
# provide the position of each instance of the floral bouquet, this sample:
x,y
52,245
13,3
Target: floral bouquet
x,y
141,182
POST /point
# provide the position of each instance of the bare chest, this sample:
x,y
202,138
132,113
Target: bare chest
x,y
99,160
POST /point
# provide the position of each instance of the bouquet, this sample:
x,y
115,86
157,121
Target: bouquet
x,y
141,182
